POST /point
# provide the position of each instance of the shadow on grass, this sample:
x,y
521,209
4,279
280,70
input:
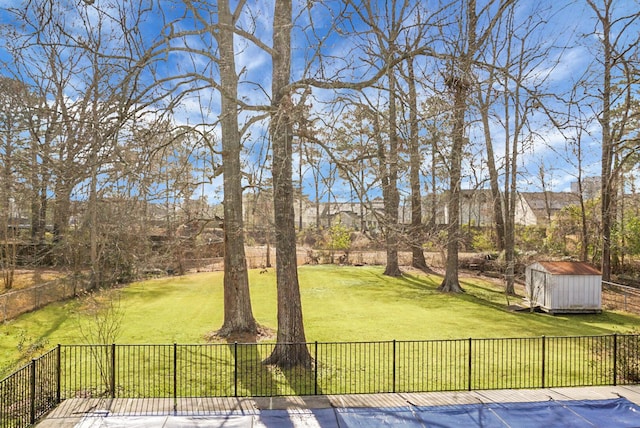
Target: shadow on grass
x,y
263,382
256,379
429,281
486,294
54,326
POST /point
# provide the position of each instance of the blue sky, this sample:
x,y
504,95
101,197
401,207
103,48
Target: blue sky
x,y
569,35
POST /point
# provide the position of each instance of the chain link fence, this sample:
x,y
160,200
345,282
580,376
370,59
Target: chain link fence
x,y
18,302
620,297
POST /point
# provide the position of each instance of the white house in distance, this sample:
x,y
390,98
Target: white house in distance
x,y
564,287
532,208
476,210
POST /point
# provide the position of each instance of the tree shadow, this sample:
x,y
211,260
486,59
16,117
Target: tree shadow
x,y
305,384
272,388
492,296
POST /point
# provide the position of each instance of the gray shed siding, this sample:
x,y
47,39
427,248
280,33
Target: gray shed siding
x,y
563,292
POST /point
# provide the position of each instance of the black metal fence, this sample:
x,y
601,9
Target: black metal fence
x,y
236,369
31,392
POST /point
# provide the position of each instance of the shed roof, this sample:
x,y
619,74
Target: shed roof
x,y
569,268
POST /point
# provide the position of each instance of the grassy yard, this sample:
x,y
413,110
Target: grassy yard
x,y
339,303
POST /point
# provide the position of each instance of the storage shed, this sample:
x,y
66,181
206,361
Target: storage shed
x,y
564,287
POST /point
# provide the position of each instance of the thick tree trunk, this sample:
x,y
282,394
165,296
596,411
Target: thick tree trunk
x,y
238,314
459,83
290,324
417,228
451,283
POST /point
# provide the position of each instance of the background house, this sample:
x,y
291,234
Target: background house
x,y
539,208
476,210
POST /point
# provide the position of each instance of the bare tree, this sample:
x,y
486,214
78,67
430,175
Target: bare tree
x,y
390,170
459,79
519,102
416,233
14,115
238,315
388,27
291,349
618,36
208,38
484,104
574,124
87,75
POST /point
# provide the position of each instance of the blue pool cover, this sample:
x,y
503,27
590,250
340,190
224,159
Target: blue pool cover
x,y
599,413
592,413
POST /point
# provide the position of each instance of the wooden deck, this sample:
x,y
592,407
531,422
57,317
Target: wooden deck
x,y
71,411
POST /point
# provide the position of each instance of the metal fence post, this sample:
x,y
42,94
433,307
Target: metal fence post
x,y
175,377
315,367
112,385
32,390
394,367
615,359
469,365
235,369
544,346
58,374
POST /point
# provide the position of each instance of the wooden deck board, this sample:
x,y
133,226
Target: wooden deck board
x,y
519,395
440,398
589,393
631,393
368,400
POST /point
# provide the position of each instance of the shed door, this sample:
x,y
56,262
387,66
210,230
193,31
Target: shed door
x,y
539,287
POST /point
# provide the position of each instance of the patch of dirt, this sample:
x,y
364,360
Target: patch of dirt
x,y
264,333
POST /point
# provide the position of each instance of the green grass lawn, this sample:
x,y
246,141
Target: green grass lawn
x,y
339,304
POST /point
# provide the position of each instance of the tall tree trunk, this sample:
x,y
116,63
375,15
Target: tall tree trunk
x,y
390,190
511,191
35,194
584,234
433,217
458,82
290,349
238,314
417,228
510,232
498,215
451,283
96,271
7,226
607,141
61,210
